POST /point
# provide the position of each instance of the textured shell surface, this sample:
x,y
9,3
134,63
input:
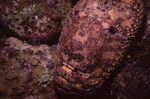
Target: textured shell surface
x,y
93,42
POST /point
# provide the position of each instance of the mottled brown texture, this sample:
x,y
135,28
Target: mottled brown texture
x,y
34,20
93,42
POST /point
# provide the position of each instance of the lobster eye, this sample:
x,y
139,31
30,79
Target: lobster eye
x,y
76,12
112,30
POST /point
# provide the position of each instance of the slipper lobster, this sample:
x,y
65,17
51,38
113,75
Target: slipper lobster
x,y
94,41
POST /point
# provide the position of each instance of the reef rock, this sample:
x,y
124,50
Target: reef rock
x,y
33,20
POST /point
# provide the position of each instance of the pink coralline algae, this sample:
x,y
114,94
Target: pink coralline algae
x,y
33,20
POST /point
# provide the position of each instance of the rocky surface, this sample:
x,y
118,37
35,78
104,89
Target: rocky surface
x,y
34,21
26,71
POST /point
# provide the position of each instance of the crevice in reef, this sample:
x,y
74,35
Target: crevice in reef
x,y
5,31
74,2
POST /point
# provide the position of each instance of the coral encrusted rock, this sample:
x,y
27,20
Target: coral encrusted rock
x,y
33,20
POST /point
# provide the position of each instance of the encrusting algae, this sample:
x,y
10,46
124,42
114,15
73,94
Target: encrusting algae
x,y
34,20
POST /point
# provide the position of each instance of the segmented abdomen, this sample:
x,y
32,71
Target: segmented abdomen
x,y
93,41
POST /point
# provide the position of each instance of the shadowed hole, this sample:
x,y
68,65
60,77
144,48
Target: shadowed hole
x,y
106,1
